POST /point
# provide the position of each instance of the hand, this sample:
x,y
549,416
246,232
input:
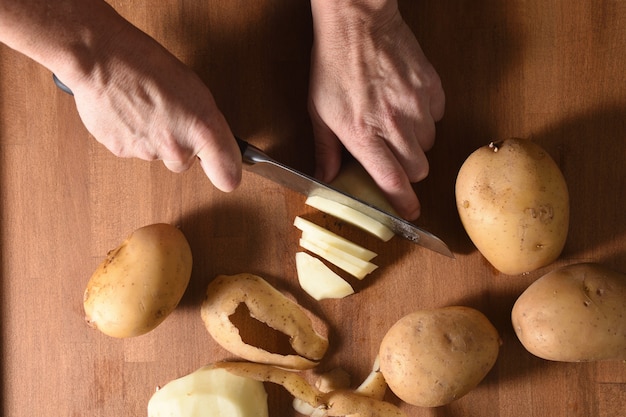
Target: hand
x,y
140,101
134,96
373,90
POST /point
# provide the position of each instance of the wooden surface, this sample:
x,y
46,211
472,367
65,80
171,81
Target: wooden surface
x,y
553,72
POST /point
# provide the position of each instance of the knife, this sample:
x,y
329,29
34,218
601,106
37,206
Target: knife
x,y
258,162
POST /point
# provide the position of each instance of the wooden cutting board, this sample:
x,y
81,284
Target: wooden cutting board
x,y
553,72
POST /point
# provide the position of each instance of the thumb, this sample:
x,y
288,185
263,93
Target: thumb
x,y
220,160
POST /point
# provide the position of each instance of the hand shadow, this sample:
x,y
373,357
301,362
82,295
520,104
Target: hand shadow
x,y
256,64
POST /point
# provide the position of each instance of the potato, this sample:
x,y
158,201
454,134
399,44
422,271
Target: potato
x,y
321,235
574,314
209,388
318,280
353,179
351,216
356,267
140,282
430,358
513,202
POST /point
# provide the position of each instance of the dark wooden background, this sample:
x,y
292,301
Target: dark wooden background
x,y
553,72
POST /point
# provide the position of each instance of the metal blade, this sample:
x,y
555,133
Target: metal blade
x,y
258,162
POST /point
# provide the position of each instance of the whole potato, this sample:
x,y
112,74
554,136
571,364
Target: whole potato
x,y
513,202
430,358
140,282
573,314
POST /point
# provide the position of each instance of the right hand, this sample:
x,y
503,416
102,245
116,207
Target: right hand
x,y
138,100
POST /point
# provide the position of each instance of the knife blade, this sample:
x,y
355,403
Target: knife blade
x,y
256,161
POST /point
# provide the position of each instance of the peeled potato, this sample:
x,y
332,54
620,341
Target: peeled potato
x,y
513,202
209,388
140,282
354,180
430,358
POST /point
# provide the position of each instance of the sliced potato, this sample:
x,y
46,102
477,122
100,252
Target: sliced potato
x,y
350,215
349,263
268,305
314,232
354,180
318,280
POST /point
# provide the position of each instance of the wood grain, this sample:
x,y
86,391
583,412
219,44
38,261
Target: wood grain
x,y
548,71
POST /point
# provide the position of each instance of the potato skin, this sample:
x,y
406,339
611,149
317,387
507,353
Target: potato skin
x,y
140,282
430,358
514,205
574,314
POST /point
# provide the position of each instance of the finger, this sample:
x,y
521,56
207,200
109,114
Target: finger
x,y
221,162
327,149
179,166
407,146
437,100
391,178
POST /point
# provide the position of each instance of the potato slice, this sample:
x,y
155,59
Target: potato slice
x,y
268,305
314,232
350,215
318,280
209,388
349,263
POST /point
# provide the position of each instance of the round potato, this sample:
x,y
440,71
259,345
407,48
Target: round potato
x,y
140,282
514,205
430,358
573,314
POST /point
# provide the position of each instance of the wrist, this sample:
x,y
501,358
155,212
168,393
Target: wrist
x,y
349,18
68,37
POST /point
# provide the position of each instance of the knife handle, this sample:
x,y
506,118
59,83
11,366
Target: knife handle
x,y
243,145
250,154
61,86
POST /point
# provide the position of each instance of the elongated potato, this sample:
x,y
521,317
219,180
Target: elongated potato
x,y
514,204
268,305
573,314
140,282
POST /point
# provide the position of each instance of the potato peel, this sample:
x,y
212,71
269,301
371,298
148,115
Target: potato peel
x,y
345,402
340,402
291,381
268,305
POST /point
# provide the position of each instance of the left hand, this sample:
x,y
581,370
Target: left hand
x,y
373,90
